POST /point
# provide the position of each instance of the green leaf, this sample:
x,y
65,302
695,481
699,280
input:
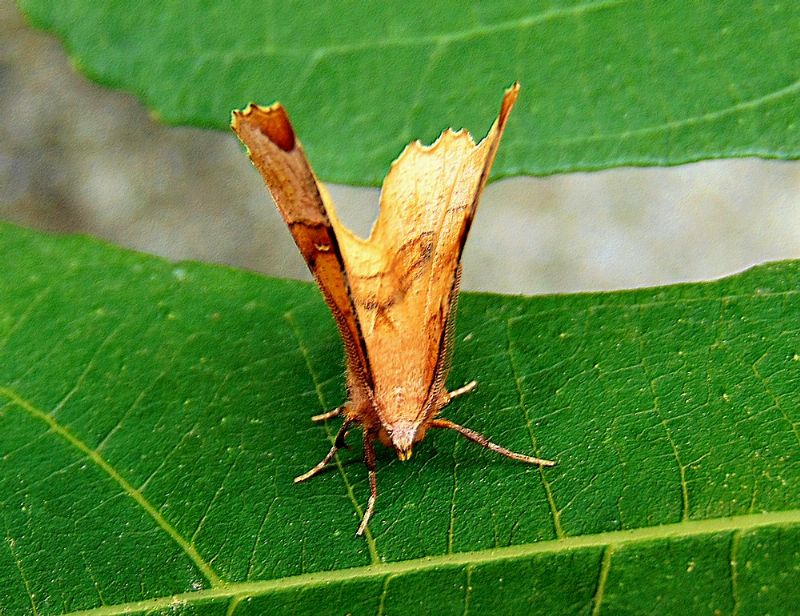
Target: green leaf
x,y
605,82
153,415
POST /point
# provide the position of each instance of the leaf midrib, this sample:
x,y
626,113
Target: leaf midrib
x,y
221,589
316,54
606,539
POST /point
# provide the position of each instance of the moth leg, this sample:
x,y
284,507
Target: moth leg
x,y
329,415
452,395
477,437
369,461
337,445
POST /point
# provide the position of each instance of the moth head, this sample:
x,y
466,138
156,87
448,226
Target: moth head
x,y
402,435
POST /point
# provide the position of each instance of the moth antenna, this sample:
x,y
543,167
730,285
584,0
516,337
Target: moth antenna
x,y
338,443
369,461
480,439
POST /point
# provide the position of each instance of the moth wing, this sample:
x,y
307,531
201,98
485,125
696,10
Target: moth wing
x,y
308,211
406,285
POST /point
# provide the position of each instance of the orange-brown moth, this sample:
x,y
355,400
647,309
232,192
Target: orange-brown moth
x,y
393,295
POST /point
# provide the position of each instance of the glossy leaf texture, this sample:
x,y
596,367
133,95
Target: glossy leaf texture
x,y
605,82
153,415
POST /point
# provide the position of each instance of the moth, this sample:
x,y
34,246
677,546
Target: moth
x,y
393,295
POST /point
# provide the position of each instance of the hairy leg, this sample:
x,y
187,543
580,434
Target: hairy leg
x,y
369,461
477,437
337,445
329,415
465,389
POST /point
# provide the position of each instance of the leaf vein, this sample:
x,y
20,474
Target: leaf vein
x,y
673,445
602,577
672,125
678,530
315,380
439,39
127,488
522,405
85,372
11,543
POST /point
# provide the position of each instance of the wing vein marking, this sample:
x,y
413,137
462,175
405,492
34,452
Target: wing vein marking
x,y
127,488
442,216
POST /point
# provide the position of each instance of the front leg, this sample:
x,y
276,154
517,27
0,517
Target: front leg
x,y
369,462
480,439
338,443
465,389
329,415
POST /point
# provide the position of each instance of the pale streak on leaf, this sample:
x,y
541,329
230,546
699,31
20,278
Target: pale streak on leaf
x,y
165,460
452,523
776,401
214,499
322,52
382,599
695,120
467,589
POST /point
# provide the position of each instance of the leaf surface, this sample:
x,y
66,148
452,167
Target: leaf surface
x,y
153,415
605,82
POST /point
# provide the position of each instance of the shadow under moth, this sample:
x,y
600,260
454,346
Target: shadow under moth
x,y
392,295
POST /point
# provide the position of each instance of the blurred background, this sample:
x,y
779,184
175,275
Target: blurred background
x,y
78,158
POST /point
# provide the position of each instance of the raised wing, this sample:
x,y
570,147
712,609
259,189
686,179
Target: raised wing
x,y
403,278
277,154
